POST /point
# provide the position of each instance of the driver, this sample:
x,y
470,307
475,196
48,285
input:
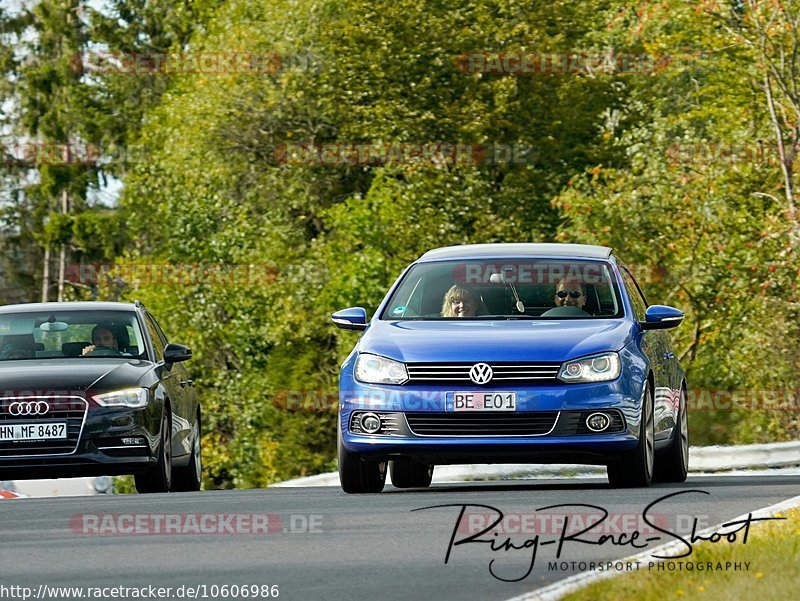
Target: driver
x,y
102,338
570,298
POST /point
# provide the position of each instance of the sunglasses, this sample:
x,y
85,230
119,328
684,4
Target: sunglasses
x,y
565,294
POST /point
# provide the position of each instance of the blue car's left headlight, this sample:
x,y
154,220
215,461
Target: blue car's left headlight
x,y
374,369
597,368
134,398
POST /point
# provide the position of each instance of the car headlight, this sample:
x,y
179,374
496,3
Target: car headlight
x,y
597,368
134,398
373,369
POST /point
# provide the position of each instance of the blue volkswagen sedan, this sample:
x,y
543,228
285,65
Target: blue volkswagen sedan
x,y
512,353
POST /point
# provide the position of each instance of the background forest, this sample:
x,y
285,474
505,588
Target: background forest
x,y
678,150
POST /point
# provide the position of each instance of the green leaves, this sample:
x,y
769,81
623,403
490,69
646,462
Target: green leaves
x,y
635,159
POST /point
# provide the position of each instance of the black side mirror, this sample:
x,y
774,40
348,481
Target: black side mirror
x,y
175,353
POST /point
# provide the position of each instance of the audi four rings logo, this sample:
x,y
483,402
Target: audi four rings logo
x,y
28,408
481,373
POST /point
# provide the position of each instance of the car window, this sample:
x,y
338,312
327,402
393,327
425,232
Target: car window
x,y
636,296
506,289
156,336
68,334
161,335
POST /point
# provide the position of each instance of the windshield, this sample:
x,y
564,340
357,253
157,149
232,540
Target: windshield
x,y
506,289
55,334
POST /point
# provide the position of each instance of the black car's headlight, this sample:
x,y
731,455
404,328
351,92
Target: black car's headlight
x,y
374,369
133,398
597,368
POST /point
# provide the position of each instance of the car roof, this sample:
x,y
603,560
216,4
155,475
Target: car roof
x,y
68,306
517,250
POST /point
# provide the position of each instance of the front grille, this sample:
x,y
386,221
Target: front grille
x,y
69,409
502,373
529,423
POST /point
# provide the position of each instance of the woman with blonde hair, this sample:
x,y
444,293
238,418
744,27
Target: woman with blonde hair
x,y
460,302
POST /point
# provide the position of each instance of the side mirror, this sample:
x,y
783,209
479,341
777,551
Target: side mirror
x,y
354,318
661,317
175,353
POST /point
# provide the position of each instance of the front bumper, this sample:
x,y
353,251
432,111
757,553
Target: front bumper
x,y
559,444
94,445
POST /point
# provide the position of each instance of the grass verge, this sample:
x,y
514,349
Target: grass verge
x,y
773,550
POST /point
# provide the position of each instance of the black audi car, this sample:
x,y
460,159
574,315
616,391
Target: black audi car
x,y
95,388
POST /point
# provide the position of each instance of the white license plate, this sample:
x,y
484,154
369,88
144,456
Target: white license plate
x,y
19,432
481,401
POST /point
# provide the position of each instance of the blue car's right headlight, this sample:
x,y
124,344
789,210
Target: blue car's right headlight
x,y
597,368
374,369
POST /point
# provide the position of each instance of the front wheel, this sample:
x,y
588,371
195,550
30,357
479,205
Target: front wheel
x,y
635,469
410,474
358,476
673,466
159,477
190,478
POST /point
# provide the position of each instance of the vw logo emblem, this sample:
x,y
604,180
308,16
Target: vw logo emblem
x,y
28,408
481,373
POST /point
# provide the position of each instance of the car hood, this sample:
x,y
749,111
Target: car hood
x,y
490,340
46,376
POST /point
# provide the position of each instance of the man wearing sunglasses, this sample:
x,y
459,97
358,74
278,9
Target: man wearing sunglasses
x,y
570,297
570,294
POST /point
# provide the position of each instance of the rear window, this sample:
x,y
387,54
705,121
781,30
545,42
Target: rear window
x,y
506,289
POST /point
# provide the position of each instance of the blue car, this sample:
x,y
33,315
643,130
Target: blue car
x,y
512,353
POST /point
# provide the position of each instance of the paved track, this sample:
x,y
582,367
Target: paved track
x,y
369,547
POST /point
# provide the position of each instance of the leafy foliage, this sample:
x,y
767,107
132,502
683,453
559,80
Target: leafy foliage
x,y
630,159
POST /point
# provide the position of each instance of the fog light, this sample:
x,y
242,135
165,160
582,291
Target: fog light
x,y
370,423
597,422
133,441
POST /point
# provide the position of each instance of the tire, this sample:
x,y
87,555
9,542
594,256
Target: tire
x,y
410,474
673,465
635,468
190,478
356,475
159,477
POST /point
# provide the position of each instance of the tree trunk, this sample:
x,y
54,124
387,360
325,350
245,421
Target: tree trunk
x,y
62,259
46,274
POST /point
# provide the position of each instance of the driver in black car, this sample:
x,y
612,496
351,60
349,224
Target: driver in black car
x,y
103,340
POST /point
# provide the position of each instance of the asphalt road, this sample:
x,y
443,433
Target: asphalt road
x,y
362,547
